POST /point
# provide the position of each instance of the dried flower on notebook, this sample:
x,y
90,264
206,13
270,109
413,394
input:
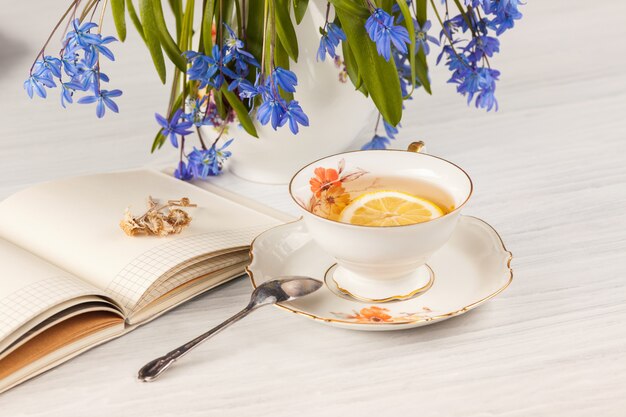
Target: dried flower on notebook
x,y
155,221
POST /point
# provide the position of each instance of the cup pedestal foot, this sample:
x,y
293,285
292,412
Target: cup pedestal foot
x,y
380,291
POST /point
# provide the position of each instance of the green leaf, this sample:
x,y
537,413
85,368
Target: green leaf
x,y
151,31
158,141
284,29
167,42
177,8
408,20
421,69
421,7
299,9
117,9
254,28
421,65
351,67
379,76
207,25
350,7
135,19
240,110
187,28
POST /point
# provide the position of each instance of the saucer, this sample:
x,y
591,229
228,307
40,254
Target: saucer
x,y
471,268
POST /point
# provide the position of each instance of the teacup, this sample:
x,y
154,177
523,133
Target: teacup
x,y
378,264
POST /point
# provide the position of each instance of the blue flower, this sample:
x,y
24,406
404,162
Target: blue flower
x,y
48,65
390,130
329,41
183,172
221,154
102,98
203,162
36,83
506,13
377,142
272,108
80,35
235,48
67,92
382,30
100,48
482,46
294,115
422,37
209,70
177,125
286,79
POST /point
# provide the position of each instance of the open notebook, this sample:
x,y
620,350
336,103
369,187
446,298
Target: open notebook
x,y
70,278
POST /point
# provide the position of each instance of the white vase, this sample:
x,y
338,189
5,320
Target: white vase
x,y
336,111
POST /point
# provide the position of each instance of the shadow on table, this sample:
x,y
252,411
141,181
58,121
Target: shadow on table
x,y
11,52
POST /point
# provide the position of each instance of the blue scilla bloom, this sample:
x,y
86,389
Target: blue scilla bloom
x,y
183,172
480,82
67,92
100,48
80,35
37,83
329,41
422,37
287,80
294,115
209,70
203,163
48,65
241,57
197,112
377,142
176,126
271,109
102,98
221,154
382,30
481,46
390,129
247,89
506,13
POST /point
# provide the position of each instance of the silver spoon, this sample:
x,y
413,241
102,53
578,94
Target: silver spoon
x,y
270,292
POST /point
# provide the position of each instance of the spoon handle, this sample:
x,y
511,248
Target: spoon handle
x,y
151,370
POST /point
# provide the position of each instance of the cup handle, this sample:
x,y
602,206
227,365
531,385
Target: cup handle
x,y
416,146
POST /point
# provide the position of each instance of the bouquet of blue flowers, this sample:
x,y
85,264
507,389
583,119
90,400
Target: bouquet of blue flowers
x,y
239,68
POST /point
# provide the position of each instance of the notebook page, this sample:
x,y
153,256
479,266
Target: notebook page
x,y
74,223
31,287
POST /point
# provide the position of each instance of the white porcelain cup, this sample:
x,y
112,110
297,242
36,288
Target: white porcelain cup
x,y
378,264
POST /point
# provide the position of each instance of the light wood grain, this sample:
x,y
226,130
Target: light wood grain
x,y
550,175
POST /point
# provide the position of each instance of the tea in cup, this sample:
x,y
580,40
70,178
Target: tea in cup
x,y
381,214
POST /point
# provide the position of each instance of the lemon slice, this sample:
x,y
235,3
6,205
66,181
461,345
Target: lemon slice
x,y
389,208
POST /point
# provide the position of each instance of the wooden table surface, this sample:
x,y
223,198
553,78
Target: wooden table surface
x,y
550,175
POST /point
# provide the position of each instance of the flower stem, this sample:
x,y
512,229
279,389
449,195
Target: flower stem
x,y
43,48
445,32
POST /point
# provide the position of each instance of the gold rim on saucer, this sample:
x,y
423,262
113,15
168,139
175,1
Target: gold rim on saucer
x,y
404,322
331,282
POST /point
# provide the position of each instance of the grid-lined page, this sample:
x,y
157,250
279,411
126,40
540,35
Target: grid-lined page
x,y
35,298
81,223
177,257
29,286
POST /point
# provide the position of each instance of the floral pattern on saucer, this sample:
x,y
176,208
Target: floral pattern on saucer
x,y
329,194
375,314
